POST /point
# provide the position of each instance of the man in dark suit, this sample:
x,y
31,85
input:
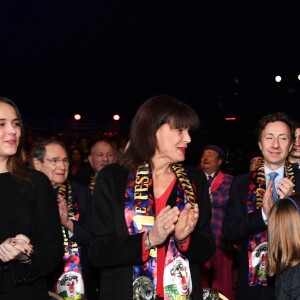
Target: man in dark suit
x,y
251,198
75,278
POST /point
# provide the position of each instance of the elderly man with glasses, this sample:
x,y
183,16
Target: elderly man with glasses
x,y
51,158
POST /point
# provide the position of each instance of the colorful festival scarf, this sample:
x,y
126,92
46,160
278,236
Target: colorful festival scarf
x,y
210,294
70,283
92,182
257,244
140,217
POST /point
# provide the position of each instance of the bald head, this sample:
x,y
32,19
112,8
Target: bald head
x,y
102,153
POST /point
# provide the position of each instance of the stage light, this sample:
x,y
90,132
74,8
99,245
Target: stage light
x,y
77,117
278,78
116,117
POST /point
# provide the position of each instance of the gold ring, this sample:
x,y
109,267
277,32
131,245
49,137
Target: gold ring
x,y
164,227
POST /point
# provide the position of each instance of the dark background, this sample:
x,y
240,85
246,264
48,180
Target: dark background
x,y
104,57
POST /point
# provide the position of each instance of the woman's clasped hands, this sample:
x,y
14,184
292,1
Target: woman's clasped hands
x,y
16,248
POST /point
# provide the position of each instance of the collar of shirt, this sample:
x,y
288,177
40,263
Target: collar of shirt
x,y
280,175
212,175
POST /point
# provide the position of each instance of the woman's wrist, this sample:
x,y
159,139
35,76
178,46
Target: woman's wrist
x,y
180,242
147,240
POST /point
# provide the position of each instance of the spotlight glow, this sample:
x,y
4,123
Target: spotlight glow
x,y
77,117
278,78
116,117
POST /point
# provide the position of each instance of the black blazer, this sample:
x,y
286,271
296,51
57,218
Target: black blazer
x,y
238,226
83,197
115,251
29,209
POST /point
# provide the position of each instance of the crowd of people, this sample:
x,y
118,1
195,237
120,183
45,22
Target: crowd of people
x,y
104,218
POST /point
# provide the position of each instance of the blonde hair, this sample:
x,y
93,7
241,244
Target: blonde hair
x,y
284,235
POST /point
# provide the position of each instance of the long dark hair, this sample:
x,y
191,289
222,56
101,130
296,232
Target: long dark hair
x,y
155,112
15,162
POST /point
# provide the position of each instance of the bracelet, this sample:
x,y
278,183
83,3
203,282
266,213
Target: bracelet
x,y
27,262
148,238
180,242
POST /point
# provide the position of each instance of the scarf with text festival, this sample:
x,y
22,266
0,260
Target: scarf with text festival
x,y
140,217
257,243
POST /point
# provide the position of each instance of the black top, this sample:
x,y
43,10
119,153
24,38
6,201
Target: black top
x,y
288,284
29,209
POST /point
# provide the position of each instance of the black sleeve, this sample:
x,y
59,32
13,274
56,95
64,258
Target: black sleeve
x,y
47,239
83,197
111,244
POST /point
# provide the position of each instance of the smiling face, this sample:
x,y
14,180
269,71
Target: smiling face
x,y
171,144
210,161
275,144
57,173
10,131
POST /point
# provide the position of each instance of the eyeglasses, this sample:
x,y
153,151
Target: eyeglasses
x,y
56,161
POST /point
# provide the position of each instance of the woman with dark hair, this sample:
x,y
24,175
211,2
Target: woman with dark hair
x,y
150,216
30,235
